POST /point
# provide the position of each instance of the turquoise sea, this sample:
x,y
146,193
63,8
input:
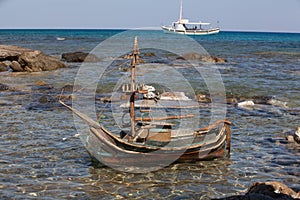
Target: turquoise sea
x,y
42,156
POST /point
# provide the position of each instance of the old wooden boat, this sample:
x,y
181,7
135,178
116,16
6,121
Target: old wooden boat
x,y
153,141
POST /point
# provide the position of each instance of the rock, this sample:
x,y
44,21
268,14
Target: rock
x,y
11,53
290,138
276,190
79,57
44,99
297,136
203,98
202,58
267,191
35,61
149,54
3,67
278,103
246,104
4,87
65,97
231,100
23,59
71,88
41,83
16,67
106,99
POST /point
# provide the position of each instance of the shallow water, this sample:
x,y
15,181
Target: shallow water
x,y
42,156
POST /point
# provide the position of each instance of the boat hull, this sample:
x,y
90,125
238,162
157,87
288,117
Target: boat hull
x,y
112,151
204,144
106,151
191,32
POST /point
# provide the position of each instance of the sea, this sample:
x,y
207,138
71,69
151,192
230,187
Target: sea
x,y
43,156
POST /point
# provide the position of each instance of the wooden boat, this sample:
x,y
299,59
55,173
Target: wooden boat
x,y
186,27
152,142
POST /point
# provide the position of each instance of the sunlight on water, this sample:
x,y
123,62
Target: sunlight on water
x,y
43,157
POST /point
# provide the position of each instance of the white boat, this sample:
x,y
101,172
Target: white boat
x,y
185,27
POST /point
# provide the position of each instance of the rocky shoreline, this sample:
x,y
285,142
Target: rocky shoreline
x,y
20,59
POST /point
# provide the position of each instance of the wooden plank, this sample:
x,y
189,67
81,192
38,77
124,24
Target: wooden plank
x,y
163,118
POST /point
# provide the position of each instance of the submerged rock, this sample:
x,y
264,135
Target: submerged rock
x,y
267,191
203,98
202,58
79,57
4,87
278,103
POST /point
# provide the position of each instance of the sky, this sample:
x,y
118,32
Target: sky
x,y
230,15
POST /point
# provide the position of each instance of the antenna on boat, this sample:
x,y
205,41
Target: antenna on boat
x,y
180,15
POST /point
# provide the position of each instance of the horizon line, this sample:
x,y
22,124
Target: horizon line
x,y
142,28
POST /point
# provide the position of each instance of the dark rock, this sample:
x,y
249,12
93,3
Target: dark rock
x,y
231,100
106,99
267,191
79,57
202,58
70,88
42,87
276,190
203,98
4,87
149,54
44,99
261,99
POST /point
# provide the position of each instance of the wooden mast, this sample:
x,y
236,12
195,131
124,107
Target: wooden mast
x,y
133,89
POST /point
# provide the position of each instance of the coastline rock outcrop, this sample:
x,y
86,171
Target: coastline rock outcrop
x,y
202,58
79,57
21,59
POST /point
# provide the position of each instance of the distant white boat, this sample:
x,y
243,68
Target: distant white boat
x,y
60,38
185,27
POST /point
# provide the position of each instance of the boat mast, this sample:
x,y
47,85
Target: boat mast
x,y
180,14
133,89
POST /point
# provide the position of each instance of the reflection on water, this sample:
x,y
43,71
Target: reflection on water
x,y
43,157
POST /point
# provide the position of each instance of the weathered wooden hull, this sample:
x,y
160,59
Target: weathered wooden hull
x,y
108,153
118,154
206,144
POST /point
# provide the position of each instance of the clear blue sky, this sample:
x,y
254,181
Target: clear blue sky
x,y
245,15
